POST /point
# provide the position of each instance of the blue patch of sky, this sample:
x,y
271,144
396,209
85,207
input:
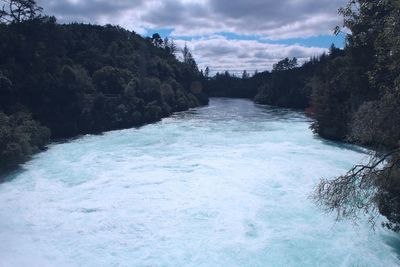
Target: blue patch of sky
x,y
162,32
324,41
315,41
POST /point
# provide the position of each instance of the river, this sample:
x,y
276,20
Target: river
x,y
222,185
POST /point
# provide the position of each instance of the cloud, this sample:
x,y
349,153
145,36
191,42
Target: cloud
x,y
221,54
269,19
118,12
88,9
203,22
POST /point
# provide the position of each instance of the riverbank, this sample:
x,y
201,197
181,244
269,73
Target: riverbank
x,y
36,138
66,80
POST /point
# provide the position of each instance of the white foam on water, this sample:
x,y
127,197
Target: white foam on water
x,y
224,185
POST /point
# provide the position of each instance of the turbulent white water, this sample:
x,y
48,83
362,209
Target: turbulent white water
x,y
224,185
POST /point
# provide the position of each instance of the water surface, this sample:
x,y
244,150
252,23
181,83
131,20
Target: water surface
x,y
223,185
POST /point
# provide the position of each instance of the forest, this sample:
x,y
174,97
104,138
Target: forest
x,y
63,80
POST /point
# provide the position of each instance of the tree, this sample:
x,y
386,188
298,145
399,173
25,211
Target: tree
x,y
245,75
5,92
20,137
332,88
170,46
207,72
16,11
166,45
377,123
189,59
156,40
333,51
186,53
365,189
110,80
285,64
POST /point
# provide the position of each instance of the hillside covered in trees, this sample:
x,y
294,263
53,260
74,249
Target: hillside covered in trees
x,y
353,95
60,81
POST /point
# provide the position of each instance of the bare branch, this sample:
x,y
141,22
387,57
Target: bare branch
x,y
19,10
357,193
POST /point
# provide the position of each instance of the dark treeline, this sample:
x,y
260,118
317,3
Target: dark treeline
x,y
290,86
353,95
287,85
229,85
59,81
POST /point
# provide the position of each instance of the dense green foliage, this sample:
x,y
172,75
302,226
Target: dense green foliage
x,y
77,79
20,136
228,85
290,86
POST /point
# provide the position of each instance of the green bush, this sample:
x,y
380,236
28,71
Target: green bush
x,y
20,137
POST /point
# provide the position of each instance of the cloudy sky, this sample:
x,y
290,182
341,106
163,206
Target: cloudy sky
x,y
222,34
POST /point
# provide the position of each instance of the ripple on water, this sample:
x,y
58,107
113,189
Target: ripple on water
x,y
223,185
